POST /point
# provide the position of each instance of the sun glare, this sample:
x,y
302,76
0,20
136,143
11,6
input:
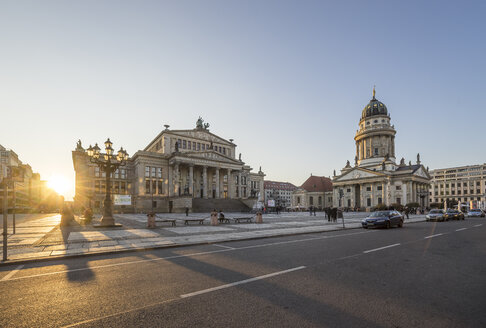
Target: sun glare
x,y
58,183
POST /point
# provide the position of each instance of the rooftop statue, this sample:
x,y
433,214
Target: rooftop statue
x,y
201,125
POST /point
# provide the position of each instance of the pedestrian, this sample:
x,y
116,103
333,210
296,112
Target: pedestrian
x,y
315,210
187,211
310,210
406,211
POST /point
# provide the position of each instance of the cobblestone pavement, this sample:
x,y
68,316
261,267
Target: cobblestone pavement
x,y
43,237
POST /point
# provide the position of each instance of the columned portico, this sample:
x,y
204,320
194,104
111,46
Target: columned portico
x,y
191,179
205,182
217,182
230,184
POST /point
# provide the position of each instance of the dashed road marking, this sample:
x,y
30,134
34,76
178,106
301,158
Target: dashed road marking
x,y
461,229
204,291
379,249
224,246
477,225
432,236
11,273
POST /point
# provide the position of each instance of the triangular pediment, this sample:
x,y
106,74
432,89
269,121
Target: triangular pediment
x,y
358,173
422,172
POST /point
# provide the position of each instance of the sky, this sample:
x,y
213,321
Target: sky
x,y
287,80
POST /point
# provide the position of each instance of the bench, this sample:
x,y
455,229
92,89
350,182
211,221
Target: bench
x,y
186,221
173,221
248,219
223,220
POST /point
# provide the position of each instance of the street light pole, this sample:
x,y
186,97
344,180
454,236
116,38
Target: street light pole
x,y
109,163
5,218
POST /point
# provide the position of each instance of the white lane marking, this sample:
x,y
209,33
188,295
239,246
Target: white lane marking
x,y
379,249
224,246
11,273
120,313
432,236
241,282
477,225
461,229
188,255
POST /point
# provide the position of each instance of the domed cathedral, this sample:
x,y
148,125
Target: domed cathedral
x,y
375,177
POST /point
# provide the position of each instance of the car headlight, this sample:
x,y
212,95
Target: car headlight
x,y
427,216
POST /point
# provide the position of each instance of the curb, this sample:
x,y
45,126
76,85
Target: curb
x,y
141,249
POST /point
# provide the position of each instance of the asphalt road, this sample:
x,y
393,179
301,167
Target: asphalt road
x,y
423,275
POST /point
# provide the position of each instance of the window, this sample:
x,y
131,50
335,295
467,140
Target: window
x,y
203,146
380,200
152,169
399,200
189,145
399,188
311,200
184,144
122,187
368,202
123,173
198,146
376,151
159,172
298,200
368,189
97,171
147,171
194,146
154,186
147,186
348,190
224,150
379,188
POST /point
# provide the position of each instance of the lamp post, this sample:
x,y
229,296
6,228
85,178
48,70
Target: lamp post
x,y
109,163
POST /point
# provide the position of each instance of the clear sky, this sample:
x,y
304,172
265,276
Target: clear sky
x,y
286,79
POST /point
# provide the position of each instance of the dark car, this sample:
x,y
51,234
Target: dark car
x,y
384,219
475,212
454,215
435,215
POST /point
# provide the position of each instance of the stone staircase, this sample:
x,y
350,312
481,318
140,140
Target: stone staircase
x,y
200,205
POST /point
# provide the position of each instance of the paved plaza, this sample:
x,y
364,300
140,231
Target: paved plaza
x,y
42,237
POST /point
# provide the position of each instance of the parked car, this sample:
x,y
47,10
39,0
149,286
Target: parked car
x,y
475,213
435,215
453,215
384,219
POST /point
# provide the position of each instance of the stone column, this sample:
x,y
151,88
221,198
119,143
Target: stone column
x,y
217,182
191,179
205,182
404,193
239,185
230,185
171,181
383,189
176,179
414,192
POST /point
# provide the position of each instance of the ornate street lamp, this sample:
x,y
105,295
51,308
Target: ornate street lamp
x,y
108,163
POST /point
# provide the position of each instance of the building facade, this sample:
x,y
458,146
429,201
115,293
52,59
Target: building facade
x,y
178,169
376,179
315,192
26,193
465,184
278,193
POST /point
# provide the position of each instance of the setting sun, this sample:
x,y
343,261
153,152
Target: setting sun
x,y
58,183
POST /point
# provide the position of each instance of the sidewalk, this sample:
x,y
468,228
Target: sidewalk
x,y
43,238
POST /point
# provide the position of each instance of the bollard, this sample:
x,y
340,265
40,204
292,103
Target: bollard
x,y
214,218
259,218
151,220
